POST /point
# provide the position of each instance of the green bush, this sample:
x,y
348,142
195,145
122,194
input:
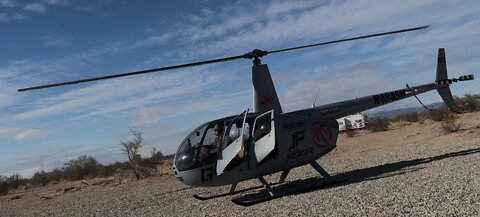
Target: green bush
x,y
81,167
377,124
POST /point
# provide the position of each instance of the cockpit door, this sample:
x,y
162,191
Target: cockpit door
x,y
263,138
232,142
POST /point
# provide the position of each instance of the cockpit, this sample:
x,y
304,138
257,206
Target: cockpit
x,y
203,146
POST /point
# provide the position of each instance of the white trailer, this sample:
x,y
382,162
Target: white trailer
x,y
356,121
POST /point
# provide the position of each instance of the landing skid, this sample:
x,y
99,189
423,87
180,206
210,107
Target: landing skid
x,y
264,196
200,197
233,192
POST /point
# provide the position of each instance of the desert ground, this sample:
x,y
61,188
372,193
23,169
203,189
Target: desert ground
x,y
411,170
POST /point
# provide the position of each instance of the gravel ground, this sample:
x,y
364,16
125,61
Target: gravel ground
x,y
410,171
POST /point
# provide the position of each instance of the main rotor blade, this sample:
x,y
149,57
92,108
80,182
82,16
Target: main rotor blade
x,y
133,73
349,39
254,54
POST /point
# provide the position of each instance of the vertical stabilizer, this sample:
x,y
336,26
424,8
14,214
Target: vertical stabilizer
x,y
442,76
264,95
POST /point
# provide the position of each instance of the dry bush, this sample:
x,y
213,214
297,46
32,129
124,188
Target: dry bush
x,y
449,123
111,169
140,167
438,114
40,178
468,103
8,183
409,117
351,133
149,165
3,186
377,124
81,167
131,149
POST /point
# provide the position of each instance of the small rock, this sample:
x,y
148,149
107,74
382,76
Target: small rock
x,y
16,197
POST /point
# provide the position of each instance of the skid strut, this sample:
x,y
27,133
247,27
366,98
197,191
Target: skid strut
x,y
267,186
232,188
319,169
284,176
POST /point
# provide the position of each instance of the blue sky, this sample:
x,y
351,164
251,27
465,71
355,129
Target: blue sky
x,y
58,40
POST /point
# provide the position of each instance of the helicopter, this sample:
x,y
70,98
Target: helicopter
x,y
267,140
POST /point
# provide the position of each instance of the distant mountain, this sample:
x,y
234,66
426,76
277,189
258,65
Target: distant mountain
x,y
395,112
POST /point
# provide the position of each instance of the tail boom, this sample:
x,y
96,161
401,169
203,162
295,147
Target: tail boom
x,y
348,107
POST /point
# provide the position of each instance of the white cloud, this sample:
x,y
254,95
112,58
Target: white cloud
x,y
19,134
28,134
8,3
6,18
35,7
149,41
57,2
93,7
248,27
57,40
7,132
361,79
121,94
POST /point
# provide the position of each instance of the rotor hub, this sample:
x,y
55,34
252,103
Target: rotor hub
x,y
256,54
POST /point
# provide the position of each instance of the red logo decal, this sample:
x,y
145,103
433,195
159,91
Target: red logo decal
x,y
321,134
267,99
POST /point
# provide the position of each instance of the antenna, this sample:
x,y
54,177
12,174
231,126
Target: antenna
x,y
419,100
355,91
318,91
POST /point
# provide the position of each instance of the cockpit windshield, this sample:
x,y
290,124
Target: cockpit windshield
x,y
200,147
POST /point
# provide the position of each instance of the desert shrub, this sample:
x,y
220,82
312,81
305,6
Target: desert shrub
x,y
140,167
81,167
109,170
449,124
377,124
149,165
438,114
15,181
351,133
131,149
169,157
10,182
156,156
56,175
40,178
409,117
468,103
3,185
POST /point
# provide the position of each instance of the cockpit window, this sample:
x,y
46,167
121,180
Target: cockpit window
x,y
262,127
200,147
